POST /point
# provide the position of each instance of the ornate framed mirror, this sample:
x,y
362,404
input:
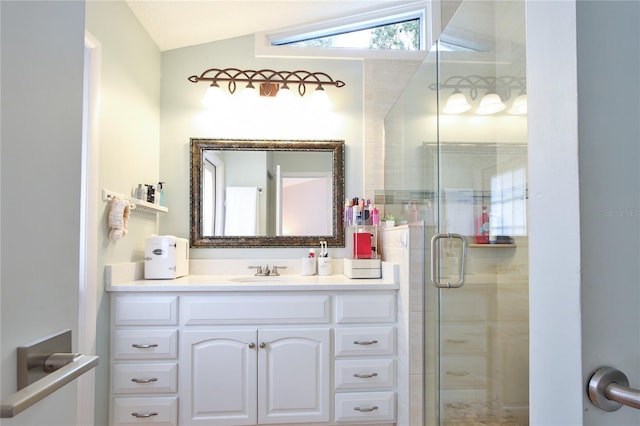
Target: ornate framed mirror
x,y
266,193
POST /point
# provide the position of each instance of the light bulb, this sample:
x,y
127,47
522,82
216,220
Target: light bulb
x,y
214,96
490,104
249,92
320,100
285,98
456,104
519,106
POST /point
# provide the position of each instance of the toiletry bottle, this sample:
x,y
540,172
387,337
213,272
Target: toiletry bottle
x,y
482,227
357,218
348,213
141,192
151,193
160,194
375,217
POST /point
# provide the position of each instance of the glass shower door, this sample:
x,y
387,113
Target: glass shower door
x,y
481,156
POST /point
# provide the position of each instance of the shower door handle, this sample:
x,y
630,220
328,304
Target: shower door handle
x,y
609,390
435,260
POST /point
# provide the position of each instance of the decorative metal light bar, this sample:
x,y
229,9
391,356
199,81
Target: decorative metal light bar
x,y
498,89
270,81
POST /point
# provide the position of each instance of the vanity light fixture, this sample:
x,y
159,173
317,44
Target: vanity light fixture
x,y
497,89
490,104
519,106
264,82
456,103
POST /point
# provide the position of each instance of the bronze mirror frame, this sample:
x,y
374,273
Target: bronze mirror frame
x,y
200,145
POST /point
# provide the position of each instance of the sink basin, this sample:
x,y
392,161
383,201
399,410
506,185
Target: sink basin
x,y
260,279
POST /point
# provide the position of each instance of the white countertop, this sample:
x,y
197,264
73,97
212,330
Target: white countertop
x,y
208,283
249,282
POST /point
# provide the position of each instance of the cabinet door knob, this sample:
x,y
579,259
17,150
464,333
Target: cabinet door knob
x,y
365,342
144,346
252,345
145,415
136,380
263,345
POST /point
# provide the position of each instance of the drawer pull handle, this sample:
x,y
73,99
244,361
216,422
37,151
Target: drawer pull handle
x,y
365,376
144,416
366,410
136,380
144,346
365,342
458,340
252,345
458,373
263,345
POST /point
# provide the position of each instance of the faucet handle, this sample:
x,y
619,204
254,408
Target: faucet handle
x,y
274,271
258,270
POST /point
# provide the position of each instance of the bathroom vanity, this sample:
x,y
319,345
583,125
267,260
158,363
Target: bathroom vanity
x,y
244,350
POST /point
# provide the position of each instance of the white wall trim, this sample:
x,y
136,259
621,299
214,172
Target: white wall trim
x,y
88,279
556,386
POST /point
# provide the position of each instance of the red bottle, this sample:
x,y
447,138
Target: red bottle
x,y
482,227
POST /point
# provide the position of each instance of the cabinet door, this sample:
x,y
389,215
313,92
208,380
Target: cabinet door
x,y
293,375
218,377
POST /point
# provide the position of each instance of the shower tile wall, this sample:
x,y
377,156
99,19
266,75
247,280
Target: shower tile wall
x,y
405,246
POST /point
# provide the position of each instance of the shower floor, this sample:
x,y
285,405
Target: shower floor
x,y
480,414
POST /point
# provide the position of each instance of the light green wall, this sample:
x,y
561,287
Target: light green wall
x,y
129,127
183,117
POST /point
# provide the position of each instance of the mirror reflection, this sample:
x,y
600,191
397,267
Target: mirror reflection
x,y
266,193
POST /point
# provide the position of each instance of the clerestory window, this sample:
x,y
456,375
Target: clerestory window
x,y
403,30
401,33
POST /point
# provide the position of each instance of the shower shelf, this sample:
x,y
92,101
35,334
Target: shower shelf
x,y
491,245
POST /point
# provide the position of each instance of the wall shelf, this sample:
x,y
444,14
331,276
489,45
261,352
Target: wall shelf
x,y
148,207
138,207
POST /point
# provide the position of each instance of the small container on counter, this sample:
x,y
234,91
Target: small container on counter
x,y
308,266
324,266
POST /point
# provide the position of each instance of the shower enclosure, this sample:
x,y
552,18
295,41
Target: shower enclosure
x,y
456,162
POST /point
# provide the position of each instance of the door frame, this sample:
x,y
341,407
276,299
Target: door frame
x,y
88,265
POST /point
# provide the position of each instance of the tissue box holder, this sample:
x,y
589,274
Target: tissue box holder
x,y
362,268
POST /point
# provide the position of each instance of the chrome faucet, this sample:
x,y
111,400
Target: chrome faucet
x,y
264,271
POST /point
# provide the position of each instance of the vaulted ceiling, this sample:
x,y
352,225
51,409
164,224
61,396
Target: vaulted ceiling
x,y
178,23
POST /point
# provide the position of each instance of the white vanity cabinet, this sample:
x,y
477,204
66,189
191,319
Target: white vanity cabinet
x,y
365,345
249,376
273,371
325,357
144,360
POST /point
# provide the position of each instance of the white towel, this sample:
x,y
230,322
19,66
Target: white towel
x,y
241,211
118,216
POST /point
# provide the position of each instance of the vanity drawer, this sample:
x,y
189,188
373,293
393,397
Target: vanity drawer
x,y
145,344
155,410
269,309
365,308
145,378
365,341
364,374
145,310
365,407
